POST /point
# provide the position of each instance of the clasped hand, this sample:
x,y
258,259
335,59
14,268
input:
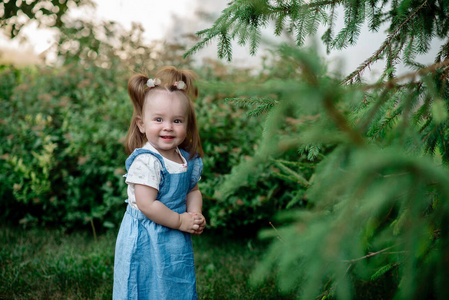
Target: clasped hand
x,y
192,222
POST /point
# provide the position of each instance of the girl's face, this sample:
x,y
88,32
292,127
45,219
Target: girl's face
x,y
164,121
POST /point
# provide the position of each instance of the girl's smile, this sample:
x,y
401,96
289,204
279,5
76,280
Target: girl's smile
x,y
167,137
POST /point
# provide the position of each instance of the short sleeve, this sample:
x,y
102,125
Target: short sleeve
x,y
145,170
196,172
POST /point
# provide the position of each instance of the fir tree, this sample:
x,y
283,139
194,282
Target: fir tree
x,y
375,206
412,25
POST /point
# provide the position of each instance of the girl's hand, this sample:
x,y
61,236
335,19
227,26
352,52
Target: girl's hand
x,y
188,223
200,220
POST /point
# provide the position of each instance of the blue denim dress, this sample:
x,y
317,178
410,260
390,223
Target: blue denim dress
x,y
153,261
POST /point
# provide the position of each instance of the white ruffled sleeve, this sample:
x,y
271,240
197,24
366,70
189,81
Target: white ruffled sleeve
x,y
196,172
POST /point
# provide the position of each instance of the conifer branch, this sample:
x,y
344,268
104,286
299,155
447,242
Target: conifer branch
x,y
296,163
262,105
251,101
294,176
277,232
327,37
384,125
382,48
444,50
332,288
366,121
323,3
383,270
371,254
311,5
341,121
392,82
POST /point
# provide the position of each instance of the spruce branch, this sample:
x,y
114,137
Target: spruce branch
x,y
293,176
327,36
296,199
262,105
392,83
444,52
373,111
341,121
385,44
250,101
383,270
279,237
323,3
295,163
354,17
385,124
245,19
370,254
332,288
313,5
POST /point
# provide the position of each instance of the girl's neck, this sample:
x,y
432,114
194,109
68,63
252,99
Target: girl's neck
x,y
173,155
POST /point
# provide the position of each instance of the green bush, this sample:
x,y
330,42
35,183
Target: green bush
x,y
63,132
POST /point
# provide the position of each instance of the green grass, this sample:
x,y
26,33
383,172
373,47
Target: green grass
x,y
223,268
39,264
49,264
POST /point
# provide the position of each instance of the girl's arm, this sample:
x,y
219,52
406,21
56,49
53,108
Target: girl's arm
x,y
157,212
194,200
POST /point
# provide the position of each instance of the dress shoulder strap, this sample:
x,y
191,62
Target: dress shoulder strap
x,y
185,154
139,151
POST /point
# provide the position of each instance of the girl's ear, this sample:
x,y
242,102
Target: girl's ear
x,y
140,124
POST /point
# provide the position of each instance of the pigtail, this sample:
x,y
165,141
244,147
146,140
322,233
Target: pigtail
x,y
137,90
169,76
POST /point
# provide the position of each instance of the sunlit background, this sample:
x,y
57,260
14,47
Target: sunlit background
x,y
162,20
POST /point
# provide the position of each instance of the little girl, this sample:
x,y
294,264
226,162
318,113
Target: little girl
x,y
153,254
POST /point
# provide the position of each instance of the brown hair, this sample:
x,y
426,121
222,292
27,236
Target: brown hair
x,y
138,92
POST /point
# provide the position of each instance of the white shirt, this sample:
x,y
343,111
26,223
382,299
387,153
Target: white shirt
x,y
146,170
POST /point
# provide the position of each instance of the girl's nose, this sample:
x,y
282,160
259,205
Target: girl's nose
x,y
168,126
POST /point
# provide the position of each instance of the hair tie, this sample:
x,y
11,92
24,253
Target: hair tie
x,y
180,85
151,83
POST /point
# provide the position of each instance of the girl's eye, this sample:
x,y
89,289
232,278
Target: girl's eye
x,y
158,120
178,121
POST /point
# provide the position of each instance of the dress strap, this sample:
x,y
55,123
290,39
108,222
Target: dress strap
x,y
139,151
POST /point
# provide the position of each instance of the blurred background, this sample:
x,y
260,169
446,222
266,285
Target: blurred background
x,y
161,21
